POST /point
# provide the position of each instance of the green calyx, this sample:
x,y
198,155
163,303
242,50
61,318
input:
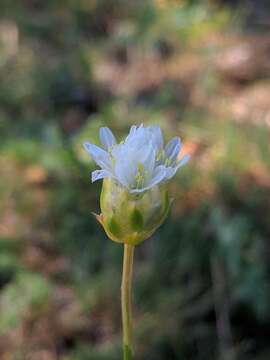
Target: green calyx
x,y
129,218
136,220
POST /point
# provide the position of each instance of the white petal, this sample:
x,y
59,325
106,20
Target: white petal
x,y
100,156
134,191
173,148
171,171
100,174
107,138
132,129
159,175
147,156
132,132
183,161
157,136
125,172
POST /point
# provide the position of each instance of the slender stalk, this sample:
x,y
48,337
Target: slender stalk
x,y
126,302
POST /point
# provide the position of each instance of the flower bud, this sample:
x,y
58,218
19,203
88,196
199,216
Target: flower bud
x,y
132,218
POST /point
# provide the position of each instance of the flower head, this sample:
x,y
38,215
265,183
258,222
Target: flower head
x,y
138,163
133,200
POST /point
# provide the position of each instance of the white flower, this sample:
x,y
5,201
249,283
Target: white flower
x,y
140,161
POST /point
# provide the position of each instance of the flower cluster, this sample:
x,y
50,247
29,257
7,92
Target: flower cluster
x,y
138,163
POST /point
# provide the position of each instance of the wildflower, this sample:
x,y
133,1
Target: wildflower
x,y
134,199
138,163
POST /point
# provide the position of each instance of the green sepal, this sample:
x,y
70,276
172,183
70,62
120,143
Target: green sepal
x,y
136,220
129,218
113,227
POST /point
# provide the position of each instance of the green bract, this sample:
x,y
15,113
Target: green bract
x,y
132,218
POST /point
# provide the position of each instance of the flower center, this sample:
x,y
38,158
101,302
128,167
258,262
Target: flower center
x,y
140,176
160,155
168,162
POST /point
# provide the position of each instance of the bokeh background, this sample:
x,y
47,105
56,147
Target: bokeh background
x,y
199,69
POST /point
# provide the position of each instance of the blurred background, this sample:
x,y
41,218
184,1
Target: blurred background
x,y
199,69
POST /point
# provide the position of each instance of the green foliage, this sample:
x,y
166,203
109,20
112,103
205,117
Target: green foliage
x,y
29,291
68,68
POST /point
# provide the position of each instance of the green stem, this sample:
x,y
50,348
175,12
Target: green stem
x,y
126,302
